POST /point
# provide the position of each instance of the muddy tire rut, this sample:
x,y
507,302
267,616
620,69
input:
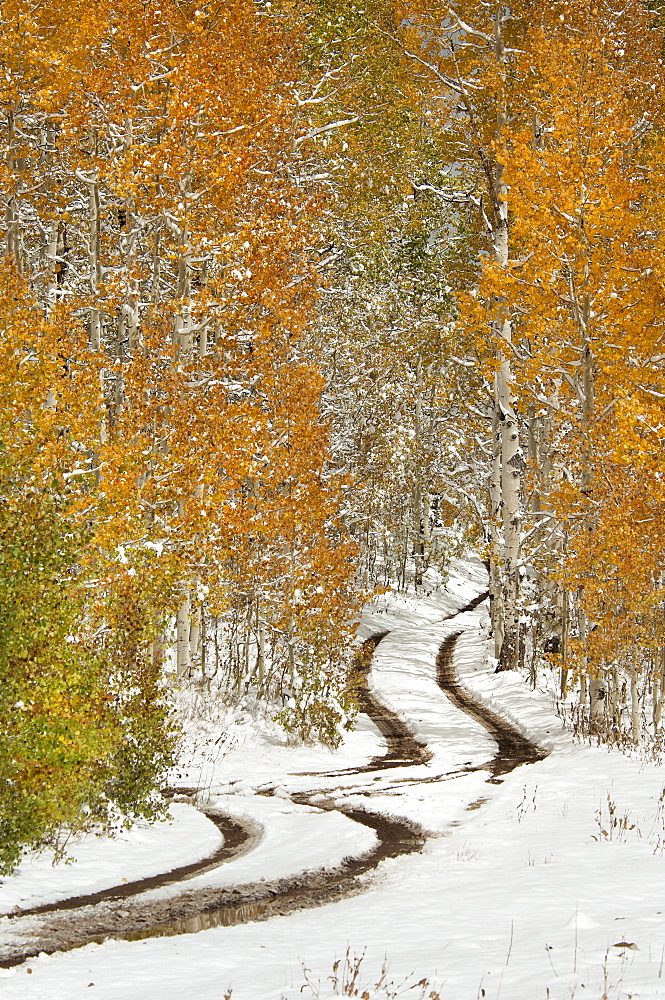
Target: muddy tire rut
x,y
121,913
513,749
239,838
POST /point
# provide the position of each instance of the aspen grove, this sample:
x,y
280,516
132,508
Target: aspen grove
x,y
296,302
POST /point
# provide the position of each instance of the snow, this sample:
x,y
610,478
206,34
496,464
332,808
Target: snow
x,y
95,863
548,884
282,829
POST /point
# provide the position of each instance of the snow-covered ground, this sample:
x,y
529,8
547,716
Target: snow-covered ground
x,y
93,863
549,884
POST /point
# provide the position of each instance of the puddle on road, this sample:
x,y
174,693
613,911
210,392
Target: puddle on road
x,y
242,914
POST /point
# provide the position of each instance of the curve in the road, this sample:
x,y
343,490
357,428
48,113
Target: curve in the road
x,y
402,747
238,839
513,749
117,915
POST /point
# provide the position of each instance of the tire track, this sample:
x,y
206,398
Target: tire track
x,y
239,838
403,749
117,913
513,749
112,913
202,909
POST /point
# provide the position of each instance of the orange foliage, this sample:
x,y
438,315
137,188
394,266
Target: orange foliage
x,y
153,190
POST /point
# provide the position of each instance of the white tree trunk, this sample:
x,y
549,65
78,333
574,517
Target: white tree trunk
x,y
597,701
12,228
183,626
565,632
635,708
52,261
261,654
94,236
511,454
203,341
195,634
511,478
94,263
658,691
495,583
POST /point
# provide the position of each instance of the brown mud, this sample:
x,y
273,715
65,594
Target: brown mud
x,y
513,749
403,749
201,909
116,913
238,839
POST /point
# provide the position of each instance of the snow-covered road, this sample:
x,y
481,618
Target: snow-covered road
x,y
534,891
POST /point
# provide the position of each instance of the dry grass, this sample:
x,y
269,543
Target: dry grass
x,y
347,979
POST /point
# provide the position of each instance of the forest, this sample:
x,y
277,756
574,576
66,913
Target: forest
x,y
299,301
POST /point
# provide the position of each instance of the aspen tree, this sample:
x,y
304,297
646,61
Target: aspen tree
x,y
158,199
83,726
383,329
584,183
464,54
